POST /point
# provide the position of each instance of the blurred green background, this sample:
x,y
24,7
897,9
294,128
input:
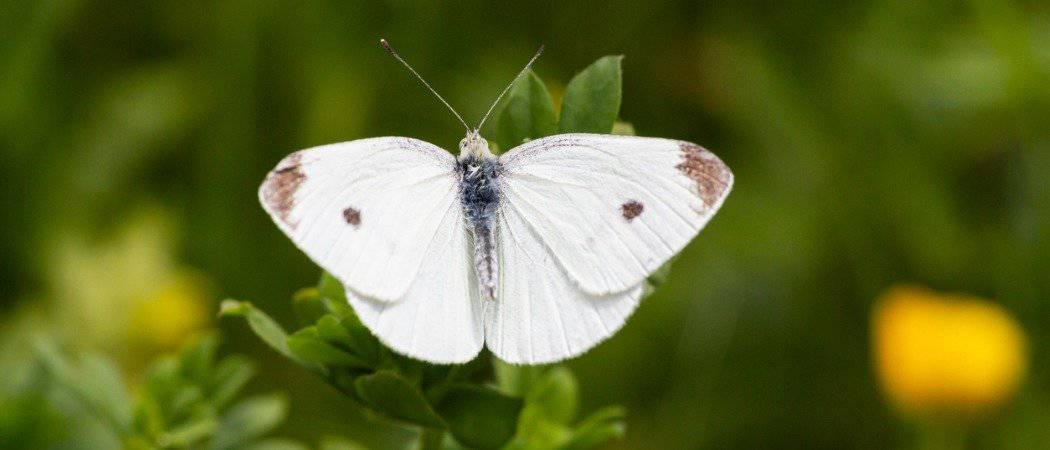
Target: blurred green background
x,y
874,143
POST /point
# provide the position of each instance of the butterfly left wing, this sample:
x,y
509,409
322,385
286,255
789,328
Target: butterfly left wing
x,y
612,209
364,210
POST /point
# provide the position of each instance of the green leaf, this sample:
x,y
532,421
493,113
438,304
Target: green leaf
x,y
592,98
309,346
555,396
528,114
229,378
248,420
514,379
656,278
331,330
189,433
95,383
479,417
388,393
603,425
623,128
263,326
333,295
307,305
197,356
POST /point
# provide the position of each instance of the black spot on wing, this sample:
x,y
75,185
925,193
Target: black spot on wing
x,y
352,217
631,209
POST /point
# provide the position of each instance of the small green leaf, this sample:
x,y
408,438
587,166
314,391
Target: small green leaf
x,y
528,113
603,425
331,330
95,383
263,326
479,417
516,380
230,376
388,393
333,295
592,98
363,343
188,434
623,128
555,396
309,346
197,356
249,419
307,305
656,278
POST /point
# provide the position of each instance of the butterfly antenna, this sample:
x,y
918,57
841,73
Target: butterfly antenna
x,y
393,53
514,81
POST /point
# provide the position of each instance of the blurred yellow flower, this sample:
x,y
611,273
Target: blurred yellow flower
x,y
939,353
128,294
164,319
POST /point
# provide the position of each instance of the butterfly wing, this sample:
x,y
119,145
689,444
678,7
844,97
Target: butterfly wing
x,y
612,209
583,220
540,315
383,216
440,318
364,210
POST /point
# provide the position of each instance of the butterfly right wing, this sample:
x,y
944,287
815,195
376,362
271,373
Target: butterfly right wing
x,y
540,315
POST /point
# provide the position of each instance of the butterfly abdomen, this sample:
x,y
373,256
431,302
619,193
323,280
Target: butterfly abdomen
x,y
479,194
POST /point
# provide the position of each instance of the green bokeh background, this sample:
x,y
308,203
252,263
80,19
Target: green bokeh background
x,y
873,142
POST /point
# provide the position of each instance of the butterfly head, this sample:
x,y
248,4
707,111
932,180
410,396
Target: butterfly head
x,y
474,145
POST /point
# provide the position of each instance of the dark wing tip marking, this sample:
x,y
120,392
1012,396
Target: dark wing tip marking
x,y
631,209
280,186
352,216
711,175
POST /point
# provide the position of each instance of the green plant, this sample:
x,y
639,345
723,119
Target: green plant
x,y
185,400
484,403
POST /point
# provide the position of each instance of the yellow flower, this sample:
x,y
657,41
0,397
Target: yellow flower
x,y
169,315
946,353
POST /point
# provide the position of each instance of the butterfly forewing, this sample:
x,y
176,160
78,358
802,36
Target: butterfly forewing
x,y
612,209
366,210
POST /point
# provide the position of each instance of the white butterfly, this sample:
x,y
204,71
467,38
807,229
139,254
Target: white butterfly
x,y
539,254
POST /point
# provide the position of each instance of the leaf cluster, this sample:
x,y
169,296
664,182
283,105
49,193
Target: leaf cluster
x,y
185,400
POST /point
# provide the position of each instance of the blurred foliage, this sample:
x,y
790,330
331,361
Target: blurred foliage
x,y
186,400
873,142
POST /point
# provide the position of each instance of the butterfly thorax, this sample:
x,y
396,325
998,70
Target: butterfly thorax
x,y
479,195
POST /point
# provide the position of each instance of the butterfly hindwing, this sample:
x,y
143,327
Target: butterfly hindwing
x,y
540,315
440,317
